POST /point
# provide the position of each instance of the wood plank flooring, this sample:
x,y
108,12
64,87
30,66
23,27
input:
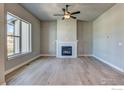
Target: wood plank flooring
x,y
55,71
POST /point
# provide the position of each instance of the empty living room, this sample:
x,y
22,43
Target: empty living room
x,y
61,44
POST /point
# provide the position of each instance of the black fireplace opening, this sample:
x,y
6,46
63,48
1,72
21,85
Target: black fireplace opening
x,y
66,51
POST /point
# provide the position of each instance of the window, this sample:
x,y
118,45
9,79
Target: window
x,y
18,35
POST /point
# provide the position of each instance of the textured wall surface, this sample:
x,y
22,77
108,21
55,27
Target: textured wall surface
x,y
84,36
2,43
48,37
108,36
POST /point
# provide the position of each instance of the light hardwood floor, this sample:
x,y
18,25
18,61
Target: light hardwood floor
x,y
55,71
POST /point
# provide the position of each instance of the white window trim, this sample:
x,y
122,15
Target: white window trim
x,y
30,50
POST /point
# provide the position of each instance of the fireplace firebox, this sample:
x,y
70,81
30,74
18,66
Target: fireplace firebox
x,y
66,51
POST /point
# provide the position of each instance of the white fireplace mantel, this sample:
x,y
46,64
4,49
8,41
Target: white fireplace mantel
x,y
59,45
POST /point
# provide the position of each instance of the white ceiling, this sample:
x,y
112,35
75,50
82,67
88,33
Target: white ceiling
x,y
45,11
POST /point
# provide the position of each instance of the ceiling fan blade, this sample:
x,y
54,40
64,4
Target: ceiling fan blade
x,y
58,15
75,13
73,17
63,10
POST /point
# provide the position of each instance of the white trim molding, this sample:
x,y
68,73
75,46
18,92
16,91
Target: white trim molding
x,y
16,67
48,55
108,63
87,55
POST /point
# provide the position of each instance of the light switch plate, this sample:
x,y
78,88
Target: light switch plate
x,y
120,44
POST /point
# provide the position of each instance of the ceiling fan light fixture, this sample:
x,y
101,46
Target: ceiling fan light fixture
x,y
66,16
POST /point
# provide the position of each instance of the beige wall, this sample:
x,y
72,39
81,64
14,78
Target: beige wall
x,y
2,43
108,36
17,10
48,37
49,34
66,30
84,36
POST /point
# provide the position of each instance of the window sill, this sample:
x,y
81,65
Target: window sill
x,y
17,55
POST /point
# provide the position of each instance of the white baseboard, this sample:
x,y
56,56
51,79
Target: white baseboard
x,y
14,68
85,55
106,62
55,55
45,55
75,56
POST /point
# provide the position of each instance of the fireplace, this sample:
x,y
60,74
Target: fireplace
x,y
66,50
